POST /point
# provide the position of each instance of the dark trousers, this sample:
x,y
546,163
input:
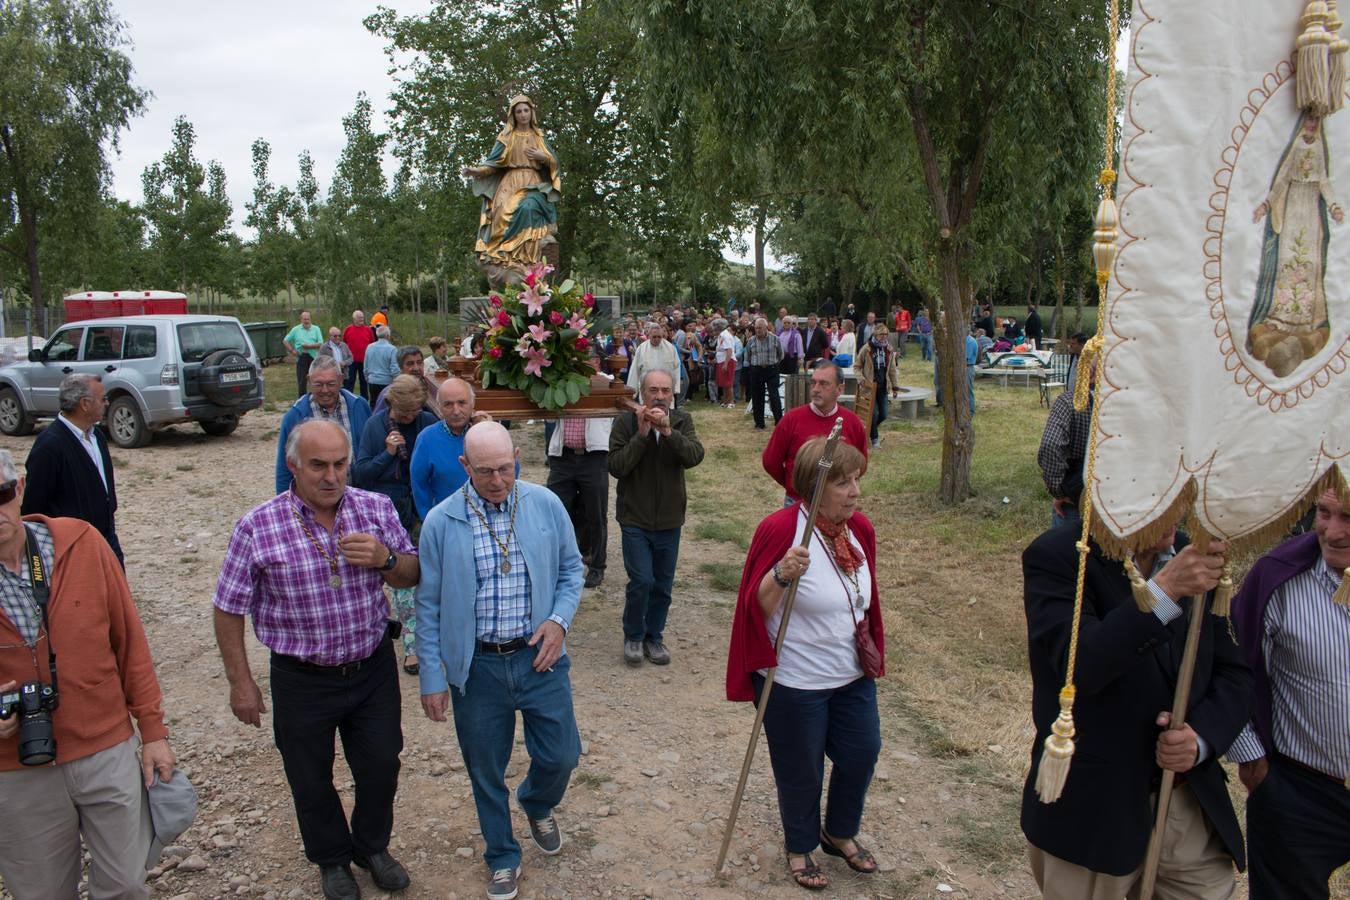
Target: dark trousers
x,y
581,481
302,364
308,707
803,728
881,408
356,377
1298,833
762,379
649,558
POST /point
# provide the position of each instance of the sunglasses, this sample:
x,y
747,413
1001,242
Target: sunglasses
x,y
7,491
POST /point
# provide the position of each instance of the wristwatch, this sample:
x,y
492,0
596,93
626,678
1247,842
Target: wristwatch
x,y
390,562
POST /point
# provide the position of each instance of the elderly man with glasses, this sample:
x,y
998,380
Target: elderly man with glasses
x,y
70,472
501,579
327,400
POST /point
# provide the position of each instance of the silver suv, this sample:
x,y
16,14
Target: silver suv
x,y
156,370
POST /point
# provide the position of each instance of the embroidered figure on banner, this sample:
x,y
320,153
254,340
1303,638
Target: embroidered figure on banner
x,y
1290,322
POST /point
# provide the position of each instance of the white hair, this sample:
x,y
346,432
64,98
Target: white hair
x,y
293,439
382,332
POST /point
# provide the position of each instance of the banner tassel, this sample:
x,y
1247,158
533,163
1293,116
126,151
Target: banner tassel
x,y
1143,597
1335,60
1058,753
1342,595
1223,593
1312,78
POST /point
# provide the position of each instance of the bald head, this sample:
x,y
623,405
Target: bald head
x,y
455,402
490,459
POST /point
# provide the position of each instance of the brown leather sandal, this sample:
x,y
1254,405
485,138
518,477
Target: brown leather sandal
x,y
809,875
861,860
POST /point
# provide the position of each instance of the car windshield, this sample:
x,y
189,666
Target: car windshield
x,y
197,340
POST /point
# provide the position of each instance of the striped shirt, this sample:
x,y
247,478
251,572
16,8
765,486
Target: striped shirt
x,y
763,351
1305,641
502,605
274,572
16,588
338,414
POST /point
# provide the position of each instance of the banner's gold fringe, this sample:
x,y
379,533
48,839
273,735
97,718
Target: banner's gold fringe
x,y
1183,508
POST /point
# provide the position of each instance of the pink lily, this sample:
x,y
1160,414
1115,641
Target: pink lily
x,y
540,333
537,273
578,321
536,361
534,300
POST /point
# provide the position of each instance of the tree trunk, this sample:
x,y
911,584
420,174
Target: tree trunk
x,y
28,221
958,446
1059,329
760,240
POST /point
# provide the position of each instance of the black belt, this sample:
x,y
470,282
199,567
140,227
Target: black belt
x,y
1339,782
504,647
296,664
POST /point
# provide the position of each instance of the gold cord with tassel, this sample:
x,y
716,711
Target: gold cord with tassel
x,y
1342,595
1312,75
1057,751
1223,592
1143,597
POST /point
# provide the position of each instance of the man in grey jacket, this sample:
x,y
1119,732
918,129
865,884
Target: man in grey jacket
x,y
648,452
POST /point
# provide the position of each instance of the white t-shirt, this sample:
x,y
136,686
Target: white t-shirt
x,y
848,344
726,346
818,651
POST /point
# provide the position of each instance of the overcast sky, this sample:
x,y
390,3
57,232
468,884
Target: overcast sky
x,y
285,70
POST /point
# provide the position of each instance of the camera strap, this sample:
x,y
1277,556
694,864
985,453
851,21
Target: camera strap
x,y
38,577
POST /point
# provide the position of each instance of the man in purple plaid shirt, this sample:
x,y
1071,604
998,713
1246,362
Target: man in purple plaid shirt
x,y
310,566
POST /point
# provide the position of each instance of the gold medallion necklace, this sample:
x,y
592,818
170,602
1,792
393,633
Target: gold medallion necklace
x,y
334,579
511,531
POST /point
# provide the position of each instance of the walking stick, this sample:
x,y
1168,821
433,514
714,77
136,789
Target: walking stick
x,y
823,470
1199,607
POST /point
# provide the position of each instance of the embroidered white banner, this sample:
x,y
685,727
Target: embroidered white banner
x,y
1228,339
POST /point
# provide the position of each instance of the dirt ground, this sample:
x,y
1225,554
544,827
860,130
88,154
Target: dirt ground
x,y
647,806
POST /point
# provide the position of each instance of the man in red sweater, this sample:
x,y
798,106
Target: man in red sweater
x,y
902,326
90,783
358,336
812,420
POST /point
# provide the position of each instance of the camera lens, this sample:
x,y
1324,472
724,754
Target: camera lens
x,y
37,743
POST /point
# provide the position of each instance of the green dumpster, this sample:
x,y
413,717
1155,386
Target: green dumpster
x,y
276,339
257,333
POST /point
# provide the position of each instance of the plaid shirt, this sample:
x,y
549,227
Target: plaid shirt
x,y
273,573
338,415
502,604
16,589
763,351
1064,444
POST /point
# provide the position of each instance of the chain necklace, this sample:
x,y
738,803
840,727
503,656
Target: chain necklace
x,y
852,577
334,579
511,532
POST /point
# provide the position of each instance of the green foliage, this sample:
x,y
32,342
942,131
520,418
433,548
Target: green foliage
x,y
65,93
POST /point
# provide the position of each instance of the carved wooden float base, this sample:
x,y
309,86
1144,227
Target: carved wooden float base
x,y
605,399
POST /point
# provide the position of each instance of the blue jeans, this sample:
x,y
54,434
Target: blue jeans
x,y
803,727
485,721
881,409
649,558
926,344
970,386
1073,519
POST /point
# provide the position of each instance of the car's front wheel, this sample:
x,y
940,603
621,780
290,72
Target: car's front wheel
x,y
13,420
126,425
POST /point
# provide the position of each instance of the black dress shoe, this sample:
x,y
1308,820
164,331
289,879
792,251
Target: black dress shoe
x,y
385,871
338,883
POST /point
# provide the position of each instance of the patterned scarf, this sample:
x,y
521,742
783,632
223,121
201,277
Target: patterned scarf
x,y
846,556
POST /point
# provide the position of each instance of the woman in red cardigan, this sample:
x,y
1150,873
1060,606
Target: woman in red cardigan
x,y
822,703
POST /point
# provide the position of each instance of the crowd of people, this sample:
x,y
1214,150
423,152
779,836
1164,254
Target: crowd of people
x,y
400,517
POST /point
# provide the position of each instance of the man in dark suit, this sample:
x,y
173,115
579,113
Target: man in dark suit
x,y
1090,843
69,470
814,339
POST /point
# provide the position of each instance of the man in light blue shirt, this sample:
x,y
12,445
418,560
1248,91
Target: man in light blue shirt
x,y
381,365
501,580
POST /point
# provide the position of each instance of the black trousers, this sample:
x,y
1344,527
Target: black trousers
x,y
356,378
581,481
762,379
1298,833
302,364
308,708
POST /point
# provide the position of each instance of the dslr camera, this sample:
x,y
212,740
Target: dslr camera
x,y
34,703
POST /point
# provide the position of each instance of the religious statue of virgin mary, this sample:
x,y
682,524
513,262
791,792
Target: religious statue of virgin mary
x,y
1289,321
520,187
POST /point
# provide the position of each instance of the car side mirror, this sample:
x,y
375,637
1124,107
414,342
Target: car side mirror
x,y
36,356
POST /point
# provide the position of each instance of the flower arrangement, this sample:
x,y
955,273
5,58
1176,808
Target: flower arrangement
x,y
537,340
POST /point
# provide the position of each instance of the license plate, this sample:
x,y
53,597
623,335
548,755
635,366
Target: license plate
x,y
232,377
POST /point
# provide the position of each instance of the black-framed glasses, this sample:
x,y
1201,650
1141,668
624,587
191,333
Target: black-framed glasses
x,y
7,491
